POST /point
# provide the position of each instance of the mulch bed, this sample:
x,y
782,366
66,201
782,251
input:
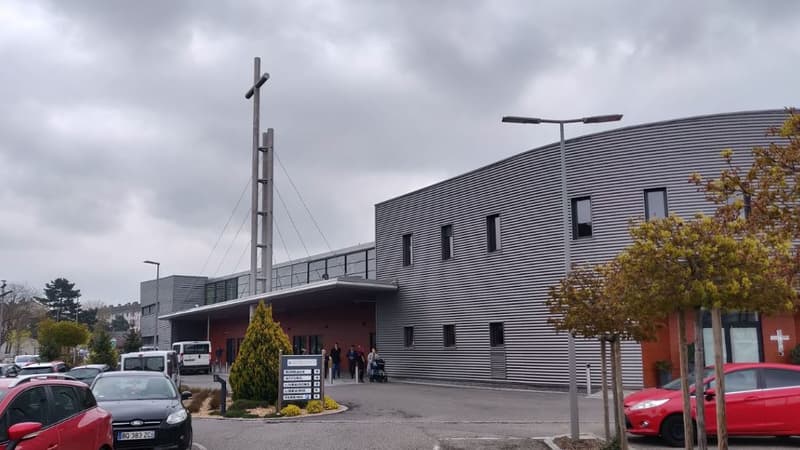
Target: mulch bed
x,y
567,443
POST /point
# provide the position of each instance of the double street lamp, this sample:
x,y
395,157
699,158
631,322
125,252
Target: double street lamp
x,y
573,369
158,307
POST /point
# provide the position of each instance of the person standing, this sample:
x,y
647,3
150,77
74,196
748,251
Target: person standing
x,y
351,361
361,361
371,357
336,358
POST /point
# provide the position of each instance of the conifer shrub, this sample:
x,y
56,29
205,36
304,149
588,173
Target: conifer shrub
x,y
290,411
254,375
314,407
330,403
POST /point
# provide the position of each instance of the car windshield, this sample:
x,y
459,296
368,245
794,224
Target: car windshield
x,y
133,388
36,370
149,363
83,373
675,384
24,359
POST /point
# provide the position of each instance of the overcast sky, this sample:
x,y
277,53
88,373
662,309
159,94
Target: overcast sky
x,y
125,135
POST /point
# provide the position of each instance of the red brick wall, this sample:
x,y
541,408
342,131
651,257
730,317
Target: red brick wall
x,y
347,324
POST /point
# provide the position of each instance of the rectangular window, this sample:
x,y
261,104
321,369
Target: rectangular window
x,y
299,274
449,335
336,266
314,345
209,294
447,242
744,213
231,288
496,336
493,233
655,203
300,345
408,252
408,337
219,287
149,309
356,264
371,264
581,217
316,270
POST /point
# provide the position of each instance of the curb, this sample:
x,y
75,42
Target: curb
x,y
341,409
550,441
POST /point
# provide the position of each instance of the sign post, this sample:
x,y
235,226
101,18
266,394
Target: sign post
x,y
302,378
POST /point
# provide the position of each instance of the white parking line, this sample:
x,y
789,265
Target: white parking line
x,y
200,447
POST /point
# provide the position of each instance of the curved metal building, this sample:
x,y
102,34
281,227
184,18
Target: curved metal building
x,y
474,256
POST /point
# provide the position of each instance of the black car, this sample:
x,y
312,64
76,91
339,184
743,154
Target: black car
x,y
88,372
147,410
9,370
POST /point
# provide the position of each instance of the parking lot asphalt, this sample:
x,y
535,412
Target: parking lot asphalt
x,y
417,416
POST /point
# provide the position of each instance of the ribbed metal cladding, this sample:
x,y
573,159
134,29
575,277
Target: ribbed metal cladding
x,y
175,293
475,287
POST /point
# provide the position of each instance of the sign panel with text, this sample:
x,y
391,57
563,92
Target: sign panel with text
x,y
301,378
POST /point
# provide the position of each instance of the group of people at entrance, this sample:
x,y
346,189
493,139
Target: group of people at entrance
x,y
357,361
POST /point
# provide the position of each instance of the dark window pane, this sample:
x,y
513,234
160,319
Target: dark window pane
x,y
408,251
447,242
741,380
29,406
219,294
655,202
408,336
449,337
496,335
209,294
779,378
65,402
581,217
357,264
493,233
231,289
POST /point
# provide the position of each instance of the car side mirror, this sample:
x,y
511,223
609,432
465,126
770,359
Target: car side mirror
x,y
710,394
186,395
22,431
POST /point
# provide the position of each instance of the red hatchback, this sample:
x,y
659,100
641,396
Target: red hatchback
x,y
760,399
51,411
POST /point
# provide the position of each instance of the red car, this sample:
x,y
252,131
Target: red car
x,y
760,399
41,412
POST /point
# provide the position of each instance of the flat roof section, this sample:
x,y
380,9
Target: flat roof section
x,y
309,295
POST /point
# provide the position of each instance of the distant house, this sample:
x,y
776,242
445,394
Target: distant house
x,y
131,312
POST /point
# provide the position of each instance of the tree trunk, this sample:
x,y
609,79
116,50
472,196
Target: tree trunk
x,y
699,387
618,400
614,392
688,439
722,426
604,382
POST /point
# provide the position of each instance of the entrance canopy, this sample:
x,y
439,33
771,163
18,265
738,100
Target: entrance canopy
x,y
322,293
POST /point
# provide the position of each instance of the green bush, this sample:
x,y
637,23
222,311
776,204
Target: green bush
x,y
254,374
244,404
314,407
795,356
100,349
240,414
330,403
290,411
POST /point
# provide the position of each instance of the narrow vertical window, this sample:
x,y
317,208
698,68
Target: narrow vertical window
x,y
496,336
581,217
447,242
408,254
493,232
408,337
449,335
744,213
655,203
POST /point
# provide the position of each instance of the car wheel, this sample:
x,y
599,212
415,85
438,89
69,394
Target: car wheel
x,y
190,441
672,430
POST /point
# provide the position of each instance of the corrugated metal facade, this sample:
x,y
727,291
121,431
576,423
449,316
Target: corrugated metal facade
x,y
510,285
175,293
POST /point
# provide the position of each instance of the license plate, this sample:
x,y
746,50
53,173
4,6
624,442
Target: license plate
x,y
135,435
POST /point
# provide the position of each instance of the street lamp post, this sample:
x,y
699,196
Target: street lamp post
x,y
158,306
573,369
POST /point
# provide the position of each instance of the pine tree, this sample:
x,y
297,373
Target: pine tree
x,y
133,341
254,375
61,299
100,349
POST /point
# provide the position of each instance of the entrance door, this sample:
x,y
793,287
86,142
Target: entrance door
x,y
741,332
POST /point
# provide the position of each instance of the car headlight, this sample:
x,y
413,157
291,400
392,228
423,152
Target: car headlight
x,y
649,404
177,417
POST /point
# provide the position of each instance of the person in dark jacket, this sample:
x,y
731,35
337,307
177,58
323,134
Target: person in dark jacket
x,y
351,361
336,357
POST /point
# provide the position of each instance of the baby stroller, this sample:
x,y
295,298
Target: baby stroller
x,y
379,371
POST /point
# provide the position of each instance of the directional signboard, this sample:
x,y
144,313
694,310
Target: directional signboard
x,y
301,378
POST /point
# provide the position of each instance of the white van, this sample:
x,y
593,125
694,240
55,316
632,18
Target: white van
x,y
193,356
152,361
